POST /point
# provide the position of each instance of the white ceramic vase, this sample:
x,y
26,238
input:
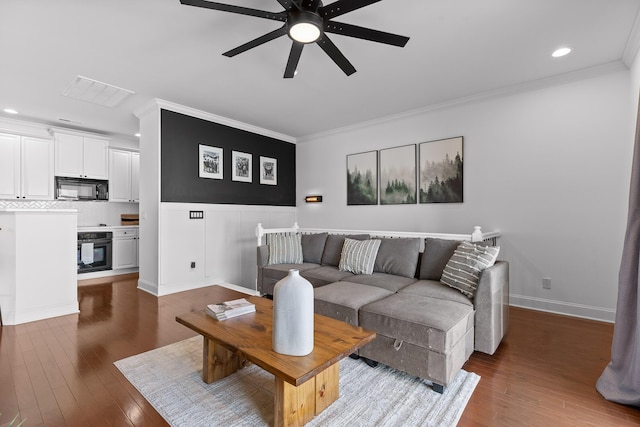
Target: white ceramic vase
x,y
293,315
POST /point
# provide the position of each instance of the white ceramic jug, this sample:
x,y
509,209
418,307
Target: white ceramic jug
x,y
293,315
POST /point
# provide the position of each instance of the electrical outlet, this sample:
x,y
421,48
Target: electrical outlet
x,y
546,283
193,264
196,214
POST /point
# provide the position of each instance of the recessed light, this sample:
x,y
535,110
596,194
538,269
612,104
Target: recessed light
x,y
10,111
137,134
563,51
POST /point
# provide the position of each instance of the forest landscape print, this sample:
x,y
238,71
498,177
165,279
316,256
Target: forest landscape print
x,y
441,164
362,178
398,175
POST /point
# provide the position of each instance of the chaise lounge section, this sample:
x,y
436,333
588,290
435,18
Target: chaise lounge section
x,y
424,327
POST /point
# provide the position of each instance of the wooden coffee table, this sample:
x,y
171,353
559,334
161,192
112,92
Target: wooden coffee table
x,y
304,385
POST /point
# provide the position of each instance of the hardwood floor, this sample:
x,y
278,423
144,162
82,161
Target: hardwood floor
x,y
60,371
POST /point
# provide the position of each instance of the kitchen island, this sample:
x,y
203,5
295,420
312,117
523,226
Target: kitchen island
x,y
38,277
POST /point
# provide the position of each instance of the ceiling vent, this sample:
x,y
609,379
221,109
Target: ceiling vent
x,y
86,89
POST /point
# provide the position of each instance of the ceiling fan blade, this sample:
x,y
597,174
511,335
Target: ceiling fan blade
x,y
289,4
335,54
275,16
365,33
341,7
310,5
294,57
257,42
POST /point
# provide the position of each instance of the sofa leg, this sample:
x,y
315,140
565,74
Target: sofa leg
x,y
354,356
438,388
371,363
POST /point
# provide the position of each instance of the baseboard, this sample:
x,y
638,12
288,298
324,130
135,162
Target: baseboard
x,y
565,308
181,287
239,288
148,287
40,313
106,273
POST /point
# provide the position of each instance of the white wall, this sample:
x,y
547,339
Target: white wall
x,y
222,244
549,168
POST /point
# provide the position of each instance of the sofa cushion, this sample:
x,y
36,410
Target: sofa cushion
x,y
358,256
435,289
324,275
437,253
398,256
462,271
390,282
313,246
341,300
431,323
285,248
279,271
333,247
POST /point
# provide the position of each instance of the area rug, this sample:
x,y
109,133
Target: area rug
x,y
170,379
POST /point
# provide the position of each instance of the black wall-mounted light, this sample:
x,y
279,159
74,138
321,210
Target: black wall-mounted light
x,y
313,199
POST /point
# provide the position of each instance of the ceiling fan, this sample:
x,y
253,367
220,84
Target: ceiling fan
x,y
308,21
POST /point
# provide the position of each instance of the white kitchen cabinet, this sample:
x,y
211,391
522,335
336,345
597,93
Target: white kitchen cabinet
x,y
124,175
80,156
26,168
125,248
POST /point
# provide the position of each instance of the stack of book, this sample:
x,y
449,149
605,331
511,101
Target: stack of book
x,y
229,309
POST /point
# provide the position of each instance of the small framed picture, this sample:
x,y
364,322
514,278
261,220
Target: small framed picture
x,y
210,162
241,166
268,171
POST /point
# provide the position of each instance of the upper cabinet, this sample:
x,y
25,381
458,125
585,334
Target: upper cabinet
x,y
124,173
81,156
26,168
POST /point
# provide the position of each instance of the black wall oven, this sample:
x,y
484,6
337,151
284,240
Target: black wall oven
x,y
94,251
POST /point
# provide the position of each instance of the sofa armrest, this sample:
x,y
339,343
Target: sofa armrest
x,y
263,256
262,261
492,307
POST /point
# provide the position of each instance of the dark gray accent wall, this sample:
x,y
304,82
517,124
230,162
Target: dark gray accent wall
x,y
181,136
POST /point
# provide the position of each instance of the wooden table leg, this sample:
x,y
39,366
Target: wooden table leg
x,y
296,406
217,361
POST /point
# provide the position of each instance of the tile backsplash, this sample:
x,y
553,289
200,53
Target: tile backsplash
x,y
89,213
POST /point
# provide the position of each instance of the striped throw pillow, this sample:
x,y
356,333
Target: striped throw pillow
x,y
285,248
463,269
359,256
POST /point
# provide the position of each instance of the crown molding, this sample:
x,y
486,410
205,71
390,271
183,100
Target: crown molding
x,y
193,112
556,80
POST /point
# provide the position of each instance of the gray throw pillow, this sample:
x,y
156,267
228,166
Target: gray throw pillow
x,y
358,256
313,246
333,247
437,253
285,248
398,256
462,272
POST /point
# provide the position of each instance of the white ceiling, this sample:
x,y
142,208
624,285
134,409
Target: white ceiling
x,y
162,49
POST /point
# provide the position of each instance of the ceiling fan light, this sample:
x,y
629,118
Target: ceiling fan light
x,y
304,32
304,27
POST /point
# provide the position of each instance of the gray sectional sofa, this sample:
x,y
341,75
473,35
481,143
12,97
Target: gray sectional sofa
x,y
423,327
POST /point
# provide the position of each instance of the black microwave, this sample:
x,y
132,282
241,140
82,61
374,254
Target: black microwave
x,y
81,189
